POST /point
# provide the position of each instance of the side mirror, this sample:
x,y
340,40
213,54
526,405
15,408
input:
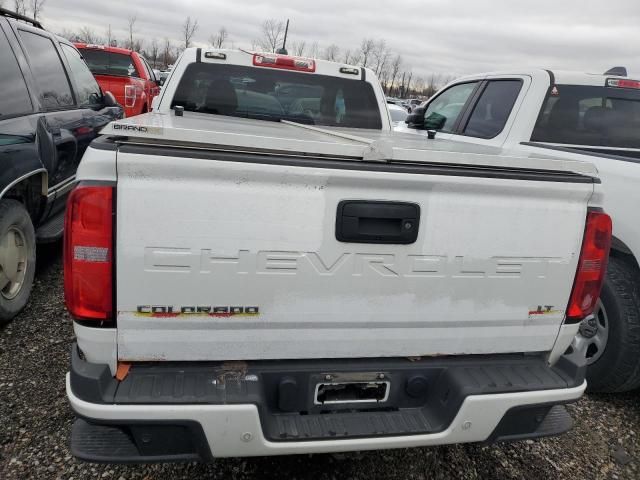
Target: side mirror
x,y
416,118
435,121
109,100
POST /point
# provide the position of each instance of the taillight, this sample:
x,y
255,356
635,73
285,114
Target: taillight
x,y
592,266
129,95
88,253
623,83
283,61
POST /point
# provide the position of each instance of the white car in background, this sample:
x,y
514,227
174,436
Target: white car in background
x,y
398,114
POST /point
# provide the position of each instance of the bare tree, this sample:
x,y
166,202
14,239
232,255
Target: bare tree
x,y
380,55
408,87
167,53
132,23
69,35
432,84
349,56
138,45
395,69
402,85
153,53
314,50
447,79
189,28
87,35
109,38
366,49
36,8
20,7
331,53
298,48
419,86
272,35
218,40
384,78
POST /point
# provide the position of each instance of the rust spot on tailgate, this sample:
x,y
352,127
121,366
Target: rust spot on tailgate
x,y
232,372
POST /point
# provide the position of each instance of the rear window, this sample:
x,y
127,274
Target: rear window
x,y
107,63
594,116
267,94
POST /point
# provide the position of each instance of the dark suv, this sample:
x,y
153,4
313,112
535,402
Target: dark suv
x,y
51,108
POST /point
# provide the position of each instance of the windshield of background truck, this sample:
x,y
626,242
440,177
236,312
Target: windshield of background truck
x,y
269,94
594,116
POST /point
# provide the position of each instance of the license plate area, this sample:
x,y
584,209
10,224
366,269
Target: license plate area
x,y
336,393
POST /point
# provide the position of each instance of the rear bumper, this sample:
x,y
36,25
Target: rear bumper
x,y
153,416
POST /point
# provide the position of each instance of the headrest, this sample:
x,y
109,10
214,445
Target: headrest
x,y
221,98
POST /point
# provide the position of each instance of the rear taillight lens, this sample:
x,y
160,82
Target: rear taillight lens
x,y
592,266
88,253
129,95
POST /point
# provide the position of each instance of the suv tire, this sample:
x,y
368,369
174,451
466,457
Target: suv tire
x,y
17,258
618,368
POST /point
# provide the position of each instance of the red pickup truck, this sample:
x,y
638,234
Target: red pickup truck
x,y
124,73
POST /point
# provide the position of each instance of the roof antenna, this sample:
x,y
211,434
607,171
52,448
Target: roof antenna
x,y
283,50
619,71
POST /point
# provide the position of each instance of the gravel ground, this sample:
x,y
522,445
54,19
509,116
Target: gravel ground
x,y
35,421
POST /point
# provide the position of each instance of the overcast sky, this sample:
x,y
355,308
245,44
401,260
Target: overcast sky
x,y
450,37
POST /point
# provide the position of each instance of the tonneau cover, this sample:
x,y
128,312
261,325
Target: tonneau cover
x,y
212,131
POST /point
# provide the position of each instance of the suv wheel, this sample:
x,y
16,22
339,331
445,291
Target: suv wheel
x,y
611,340
17,258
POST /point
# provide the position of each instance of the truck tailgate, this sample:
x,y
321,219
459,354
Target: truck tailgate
x,y
234,256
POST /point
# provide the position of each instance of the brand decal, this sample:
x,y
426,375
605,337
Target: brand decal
x,y
136,128
168,311
543,310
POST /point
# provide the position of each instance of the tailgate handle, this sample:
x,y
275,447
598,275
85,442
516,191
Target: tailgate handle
x,y
364,221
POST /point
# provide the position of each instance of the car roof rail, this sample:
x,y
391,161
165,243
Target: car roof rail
x,y
11,14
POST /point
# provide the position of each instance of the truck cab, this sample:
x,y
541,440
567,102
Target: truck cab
x,y
578,116
125,73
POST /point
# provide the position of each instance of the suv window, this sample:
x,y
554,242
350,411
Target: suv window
x,y
590,115
443,112
88,90
108,63
269,94
493,108
14,96
49,74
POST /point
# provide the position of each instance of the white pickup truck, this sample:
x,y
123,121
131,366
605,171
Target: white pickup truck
x,y
261,267
575,116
